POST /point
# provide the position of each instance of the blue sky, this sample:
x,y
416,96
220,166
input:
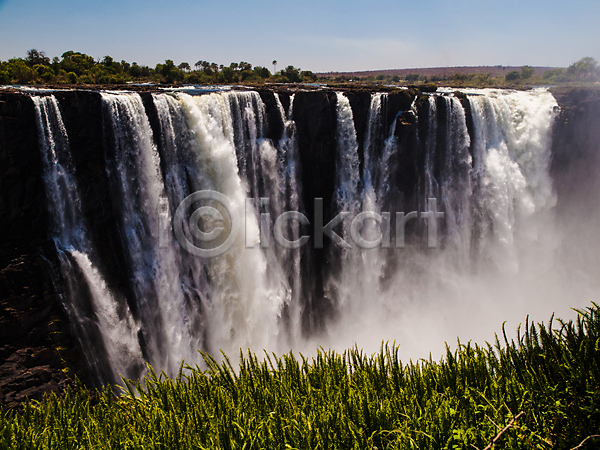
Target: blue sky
x,y
318,35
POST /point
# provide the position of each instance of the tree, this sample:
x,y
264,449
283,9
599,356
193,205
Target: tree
x,y
45,72
262,72
412,77
21,72
483,78
4,76
245,66
291,74
227,74
36,57
274,66
76,67
206,67
107,61
308,76
584,68
512,76
527,72
135,70
165,68
76,62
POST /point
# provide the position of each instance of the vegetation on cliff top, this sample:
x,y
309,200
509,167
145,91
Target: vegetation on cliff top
x,y
541,391
79,68
583,71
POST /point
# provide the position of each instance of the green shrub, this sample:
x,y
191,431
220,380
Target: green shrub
x,y
513,76
5,77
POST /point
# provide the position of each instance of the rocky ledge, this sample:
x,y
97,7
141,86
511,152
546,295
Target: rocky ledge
x,y
38,353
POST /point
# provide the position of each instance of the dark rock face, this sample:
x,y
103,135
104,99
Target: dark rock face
x,y
23,216
360,102
575,170
38,351
274,123
576,146
315,117
407,165
82,115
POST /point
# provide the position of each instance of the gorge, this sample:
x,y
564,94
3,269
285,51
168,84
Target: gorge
x,y
94,282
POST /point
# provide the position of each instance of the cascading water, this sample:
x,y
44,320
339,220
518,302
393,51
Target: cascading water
x,y
348,164
288,198
490,179
111,337
432,295
244,304
169,320
431,188
511,151
361,269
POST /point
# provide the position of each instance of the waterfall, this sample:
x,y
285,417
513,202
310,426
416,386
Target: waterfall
x,y
362,266
169,320
348,163
496,184
348,201
512,157
245,304
483,156
103,325
455,182
289,198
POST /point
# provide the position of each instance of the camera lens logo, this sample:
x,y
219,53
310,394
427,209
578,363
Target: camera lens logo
x,y
215,222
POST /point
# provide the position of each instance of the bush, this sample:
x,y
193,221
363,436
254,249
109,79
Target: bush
x,y
512,76
527,72
21,72
5,77
262,72
483,79
308,76
291,74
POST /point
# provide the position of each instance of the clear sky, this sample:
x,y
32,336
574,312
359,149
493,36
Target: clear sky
x,y
317,35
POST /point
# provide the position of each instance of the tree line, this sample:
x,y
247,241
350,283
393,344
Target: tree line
x,y
78,68
584,70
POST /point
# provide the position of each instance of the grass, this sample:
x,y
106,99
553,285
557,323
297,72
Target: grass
x,y
539,391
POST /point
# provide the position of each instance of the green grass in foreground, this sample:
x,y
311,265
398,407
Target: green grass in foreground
x,y
545,388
